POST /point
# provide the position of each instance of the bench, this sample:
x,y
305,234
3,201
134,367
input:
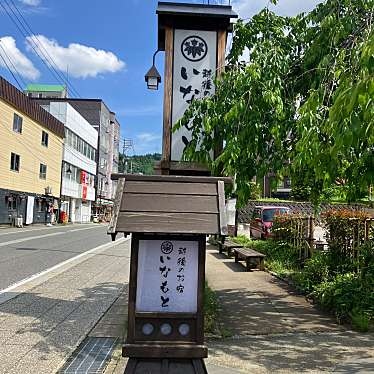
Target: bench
x,y
248,254
228,246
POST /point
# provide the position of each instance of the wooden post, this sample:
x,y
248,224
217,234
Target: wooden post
x,y
311,234
166,143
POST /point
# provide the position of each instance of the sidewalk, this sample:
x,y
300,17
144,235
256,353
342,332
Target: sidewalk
x,y
275,330
40,328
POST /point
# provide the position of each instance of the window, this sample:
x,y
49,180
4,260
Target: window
x,y
256,213
45,139
40,95
17,123
43,171
14,162
268,214
75,141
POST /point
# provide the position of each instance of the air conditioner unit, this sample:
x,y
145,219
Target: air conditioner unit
x,y
48,190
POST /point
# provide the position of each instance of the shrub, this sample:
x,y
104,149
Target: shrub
x,y
339,295
315,271
346,230
210,310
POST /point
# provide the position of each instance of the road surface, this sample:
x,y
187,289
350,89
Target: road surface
x,y
28,251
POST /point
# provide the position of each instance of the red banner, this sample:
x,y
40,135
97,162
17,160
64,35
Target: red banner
x,y
84,192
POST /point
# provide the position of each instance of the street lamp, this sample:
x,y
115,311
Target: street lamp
x,y
153,77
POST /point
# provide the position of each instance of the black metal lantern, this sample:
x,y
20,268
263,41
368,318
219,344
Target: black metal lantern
x,y
153,77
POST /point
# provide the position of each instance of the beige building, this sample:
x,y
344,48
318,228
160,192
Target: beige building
x,y
31,149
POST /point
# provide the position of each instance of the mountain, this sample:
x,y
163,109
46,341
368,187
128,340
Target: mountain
x,y
137,164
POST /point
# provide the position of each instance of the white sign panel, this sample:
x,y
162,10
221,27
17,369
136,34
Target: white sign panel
x,y
30,210
194,69
167,276
231,212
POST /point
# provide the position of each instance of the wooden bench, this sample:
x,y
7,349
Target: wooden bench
x,y
248,254
228,246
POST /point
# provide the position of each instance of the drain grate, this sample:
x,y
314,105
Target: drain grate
x,y
91,357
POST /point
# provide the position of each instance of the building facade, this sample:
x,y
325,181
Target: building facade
x,y
79,163
46,90
31,148
96,112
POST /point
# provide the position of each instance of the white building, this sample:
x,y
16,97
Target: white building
x,y
79,166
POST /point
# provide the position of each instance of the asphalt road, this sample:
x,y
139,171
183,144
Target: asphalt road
x,y
28,251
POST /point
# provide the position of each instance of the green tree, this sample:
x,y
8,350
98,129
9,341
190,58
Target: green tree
x,y
140,164
306,95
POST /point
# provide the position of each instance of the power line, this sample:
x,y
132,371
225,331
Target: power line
x,y
6,64
41,47
21,28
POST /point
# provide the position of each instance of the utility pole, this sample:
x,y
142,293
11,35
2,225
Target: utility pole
x,y
127,144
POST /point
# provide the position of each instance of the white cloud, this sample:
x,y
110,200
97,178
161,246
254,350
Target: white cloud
x,y
31,2
80,60
248,8
21,63
147,137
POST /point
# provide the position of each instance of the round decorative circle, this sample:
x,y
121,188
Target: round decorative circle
x,y
147,329
194,48
184,329
166,329
166,247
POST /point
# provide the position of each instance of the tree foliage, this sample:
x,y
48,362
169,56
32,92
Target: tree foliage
x,y
143,164
303,101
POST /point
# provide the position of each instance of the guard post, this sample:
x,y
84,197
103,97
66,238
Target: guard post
x,y
169,218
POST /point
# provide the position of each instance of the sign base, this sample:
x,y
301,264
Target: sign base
x,y
155,351
165,366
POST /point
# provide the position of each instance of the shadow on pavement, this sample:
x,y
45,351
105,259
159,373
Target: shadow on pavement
x,y
56,323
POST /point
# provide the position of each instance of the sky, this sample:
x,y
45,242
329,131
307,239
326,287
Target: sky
x,y
105,48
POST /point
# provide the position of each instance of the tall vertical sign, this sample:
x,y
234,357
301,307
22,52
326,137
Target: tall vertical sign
x,y
193,37
194,67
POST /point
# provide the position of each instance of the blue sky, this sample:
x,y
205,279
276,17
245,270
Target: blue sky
x,y
108,47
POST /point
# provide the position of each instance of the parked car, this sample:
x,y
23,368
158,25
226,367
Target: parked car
x,y
262,220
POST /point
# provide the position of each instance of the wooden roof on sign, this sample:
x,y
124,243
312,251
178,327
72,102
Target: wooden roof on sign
x,y
192,16
169,204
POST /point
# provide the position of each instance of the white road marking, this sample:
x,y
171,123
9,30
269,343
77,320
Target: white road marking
x,y
43,236
61,264
25,230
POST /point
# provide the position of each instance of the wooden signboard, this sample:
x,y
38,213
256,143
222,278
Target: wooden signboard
x,y
166,297
170,215
193,37
169,218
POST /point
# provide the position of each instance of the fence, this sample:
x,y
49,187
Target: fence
x,y
296,230
345,232
303,208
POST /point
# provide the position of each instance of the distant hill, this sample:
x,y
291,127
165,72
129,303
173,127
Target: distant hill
x,y
140,164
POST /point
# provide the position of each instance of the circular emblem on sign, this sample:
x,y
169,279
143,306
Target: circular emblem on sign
x,y
194,48
167,247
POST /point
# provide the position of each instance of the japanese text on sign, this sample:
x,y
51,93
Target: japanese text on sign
x,y
194,74
167,276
